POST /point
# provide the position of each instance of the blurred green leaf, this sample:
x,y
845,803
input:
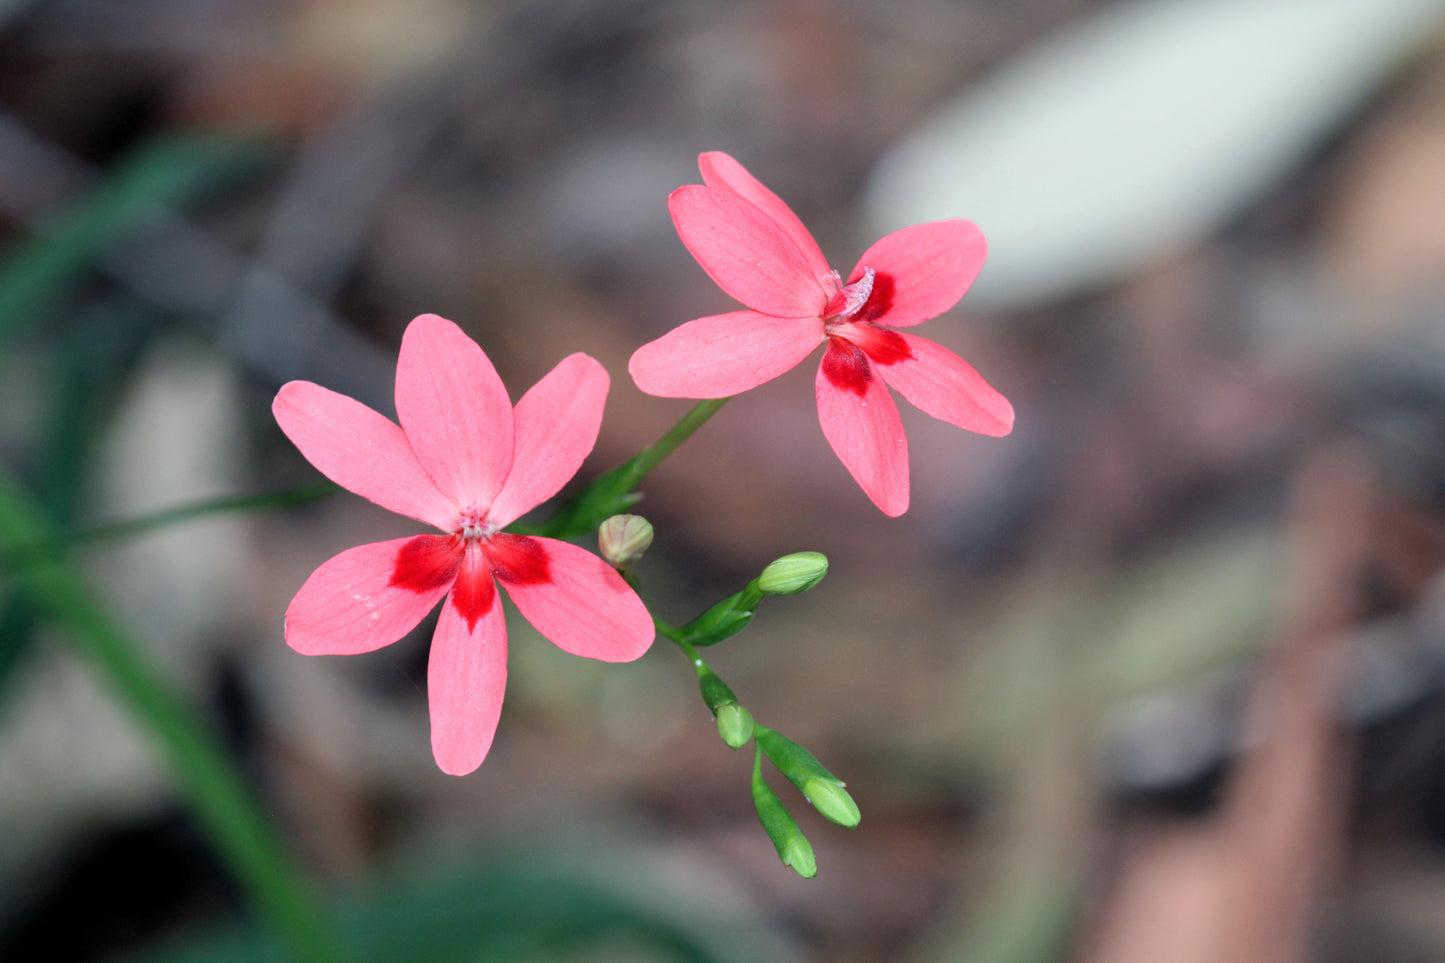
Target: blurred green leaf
x,y
243,836
90,361
21,555
522,908
168,172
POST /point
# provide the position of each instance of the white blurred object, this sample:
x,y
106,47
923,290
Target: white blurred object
x,y
70,753
176,439
1140,131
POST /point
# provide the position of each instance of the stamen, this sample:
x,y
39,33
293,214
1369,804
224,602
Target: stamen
x,y
857,294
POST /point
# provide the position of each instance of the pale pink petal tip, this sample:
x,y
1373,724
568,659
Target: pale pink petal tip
x,y
746,253
723,355
866,433
454,409
361,450
349,605
940,383
466,682
556,425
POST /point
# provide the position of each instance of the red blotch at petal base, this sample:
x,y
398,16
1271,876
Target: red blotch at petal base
x,y
427,562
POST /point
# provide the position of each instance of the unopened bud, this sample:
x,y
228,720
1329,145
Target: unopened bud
x,y
798,853
794,573
833,801
623,538
734,725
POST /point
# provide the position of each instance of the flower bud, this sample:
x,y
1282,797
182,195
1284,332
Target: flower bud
x,y
623,538
794,573
798,853
792,846
833,801
734,725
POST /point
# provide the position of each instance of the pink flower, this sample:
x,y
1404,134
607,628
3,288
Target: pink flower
x,y
757,250
466,462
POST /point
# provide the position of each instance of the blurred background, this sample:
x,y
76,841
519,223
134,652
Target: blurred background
x,y
1156,677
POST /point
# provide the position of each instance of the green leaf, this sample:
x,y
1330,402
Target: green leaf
x,y
229,813
550,901
164,173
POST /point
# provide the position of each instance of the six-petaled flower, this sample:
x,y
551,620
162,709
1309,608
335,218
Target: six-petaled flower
x,y
759,252
465,461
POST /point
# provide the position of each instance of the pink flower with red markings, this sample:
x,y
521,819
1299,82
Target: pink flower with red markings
x,y
757,250
465,461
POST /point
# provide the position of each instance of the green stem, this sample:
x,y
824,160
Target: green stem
x,y
651,456
29,553
226,808
673,634
613,491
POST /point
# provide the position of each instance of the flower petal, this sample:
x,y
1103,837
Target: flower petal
x,y
556,425
583,606
466,678
723,354
455,411
746,252
861,422
350,605
721,170
940,383
920,272
359,449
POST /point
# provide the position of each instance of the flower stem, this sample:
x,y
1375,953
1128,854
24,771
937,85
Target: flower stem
x,y
29,553
613,491
227,810
651,456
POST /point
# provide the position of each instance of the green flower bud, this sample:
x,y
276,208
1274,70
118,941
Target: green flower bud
x,y
792,846
623,538
734,725
798,853
833,801
794,573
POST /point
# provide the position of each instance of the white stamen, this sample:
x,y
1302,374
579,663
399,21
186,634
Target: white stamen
x,y
856,294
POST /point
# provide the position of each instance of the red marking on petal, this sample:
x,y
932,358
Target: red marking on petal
x,y
880,301
881,345
473,594
847,367
427,562
517,559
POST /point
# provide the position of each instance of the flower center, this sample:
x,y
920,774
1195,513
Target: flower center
x,y
850,298
472,525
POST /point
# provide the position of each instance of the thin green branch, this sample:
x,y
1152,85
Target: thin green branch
x,y
615,491
31,553
650,457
